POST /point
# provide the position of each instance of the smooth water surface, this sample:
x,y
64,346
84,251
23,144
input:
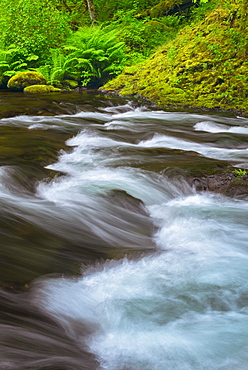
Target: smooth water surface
x,y
110,259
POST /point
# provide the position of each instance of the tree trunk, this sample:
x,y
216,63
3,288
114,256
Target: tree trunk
x,y
91,10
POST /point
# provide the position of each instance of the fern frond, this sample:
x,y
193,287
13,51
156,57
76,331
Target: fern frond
x,y
10,73
85,62
118,46
57,75
45,71
70,48
69,62
32,57
4,65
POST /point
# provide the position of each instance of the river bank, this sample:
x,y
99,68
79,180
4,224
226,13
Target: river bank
x,y
205,65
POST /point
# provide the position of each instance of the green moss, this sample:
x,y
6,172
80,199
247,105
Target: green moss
x,y
201,67
41,89
23,79
71,84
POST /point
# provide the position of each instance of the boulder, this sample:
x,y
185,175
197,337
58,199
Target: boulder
x,y
122,199
23,79
40,89
71,84
229,184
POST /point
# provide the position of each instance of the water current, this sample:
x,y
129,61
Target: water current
x,y
110,258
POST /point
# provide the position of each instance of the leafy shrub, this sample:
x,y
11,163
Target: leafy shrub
x,y
13,61
144,35
33,26
107,9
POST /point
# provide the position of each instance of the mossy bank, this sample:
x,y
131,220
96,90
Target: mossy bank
x,y
205,65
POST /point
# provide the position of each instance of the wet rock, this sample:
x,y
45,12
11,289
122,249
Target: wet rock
x,y
123,199
136,217
229,184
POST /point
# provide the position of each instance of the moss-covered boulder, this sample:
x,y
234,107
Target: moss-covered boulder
x,y
41,89
205,65
23,79
71,84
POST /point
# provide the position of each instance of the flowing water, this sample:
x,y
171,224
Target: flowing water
x,y
110,259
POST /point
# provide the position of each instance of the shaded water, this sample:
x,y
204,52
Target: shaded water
x,y
110,259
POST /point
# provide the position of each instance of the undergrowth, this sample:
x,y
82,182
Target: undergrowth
x,y
205,65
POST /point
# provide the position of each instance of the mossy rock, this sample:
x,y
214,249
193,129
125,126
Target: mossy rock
x,y
23,79
41,89
71,84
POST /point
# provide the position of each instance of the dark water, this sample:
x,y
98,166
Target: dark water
x,y
109,258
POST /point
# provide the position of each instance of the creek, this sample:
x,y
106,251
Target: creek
x,y
110,258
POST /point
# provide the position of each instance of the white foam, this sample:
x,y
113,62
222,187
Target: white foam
x,y
216,128
182,308
164,141
178,309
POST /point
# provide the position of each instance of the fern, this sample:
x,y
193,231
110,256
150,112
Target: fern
x,y
13,61
56,76
91,56
101,48
46,72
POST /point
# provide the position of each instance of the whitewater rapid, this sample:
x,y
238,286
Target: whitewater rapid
x,y
180,302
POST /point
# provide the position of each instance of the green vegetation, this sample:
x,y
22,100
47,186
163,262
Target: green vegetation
x,y
174,52
240,173
80,43
33,26
205,65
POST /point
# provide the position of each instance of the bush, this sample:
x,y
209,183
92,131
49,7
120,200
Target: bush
x,y
33,26
107,9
